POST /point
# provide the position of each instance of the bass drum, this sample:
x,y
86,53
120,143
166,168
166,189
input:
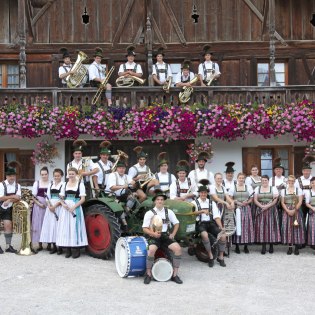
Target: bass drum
x,y
201,252
130,256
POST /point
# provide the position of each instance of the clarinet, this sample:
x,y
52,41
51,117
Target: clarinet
x,y
64,205
50,204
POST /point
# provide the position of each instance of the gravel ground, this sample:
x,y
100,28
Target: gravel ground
x,y
250,284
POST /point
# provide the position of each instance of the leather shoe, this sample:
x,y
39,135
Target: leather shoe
x,y
271,249
211,263
221,262
296,251
263,250
59,251
246,251
53,249
177,279
1,250
289,252
237,250
147,279
68,252
10,249
75,253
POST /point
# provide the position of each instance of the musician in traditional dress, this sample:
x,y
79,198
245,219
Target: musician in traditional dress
x,y
163,176
130,68
39,208
209,221
229,180
164,238
71,231
10,192
310,203
184,77
65,69
293,232
303,182
208,71
267,228
104,166
161,71
97,73
200,172
243,197
120,184
182,189
49,229
142,174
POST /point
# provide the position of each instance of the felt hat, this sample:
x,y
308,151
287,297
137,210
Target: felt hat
x,y
78,145
105,148
131,51
306,162
159,193
182,165
203,155
98,52
206,50
11,168
65,53
162,158
229,167
140,153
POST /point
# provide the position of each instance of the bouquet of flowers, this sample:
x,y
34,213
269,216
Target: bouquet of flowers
x,y
45,153
194,150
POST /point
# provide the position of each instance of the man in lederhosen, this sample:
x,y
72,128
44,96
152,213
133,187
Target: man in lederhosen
x,y
85,166
229,180
104,166
208,68
184,77
209,221
166,238
97,73
161,71
182,188
10,192
130,68
141,173
65,69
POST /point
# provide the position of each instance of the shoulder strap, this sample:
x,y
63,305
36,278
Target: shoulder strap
x,y
154,212
178,188
16,187
5,188
103,171
125,68
136,170
300,182
135,68
157,71
273,180
204,69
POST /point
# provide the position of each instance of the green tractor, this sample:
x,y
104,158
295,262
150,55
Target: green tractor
x,y
102,218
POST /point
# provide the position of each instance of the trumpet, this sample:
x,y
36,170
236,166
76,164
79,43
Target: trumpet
x,y
118,156
129,81
167,84
102,86
184,96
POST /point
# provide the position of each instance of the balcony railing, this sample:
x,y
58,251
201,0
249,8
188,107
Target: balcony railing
x,y
143,96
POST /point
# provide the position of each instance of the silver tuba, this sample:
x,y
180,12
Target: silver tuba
x,y
76,79
129,81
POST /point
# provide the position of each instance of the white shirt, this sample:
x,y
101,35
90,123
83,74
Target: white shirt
x,y
228,184
274,190
305,181
285,191
178,77
130,66
64,69
54,186
81,189
213,190
10,188
250,180
35,187
100,175
208,65
278,180
136,169
201,174
161,213
163,76
249,189
114,179
97,71
163,179
182,185
307,195
205,206
86,165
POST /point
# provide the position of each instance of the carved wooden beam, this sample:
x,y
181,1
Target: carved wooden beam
x,y
307,70
158,33
261,18
22,43
174,22
41,12
123,21
265,18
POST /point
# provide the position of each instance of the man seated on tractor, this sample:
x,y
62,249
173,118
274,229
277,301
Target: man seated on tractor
x,y
118,184
166,237
209,221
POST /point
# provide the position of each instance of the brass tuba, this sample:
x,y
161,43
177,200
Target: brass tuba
x,y
129,81
102,86
184,96
167,84
76,79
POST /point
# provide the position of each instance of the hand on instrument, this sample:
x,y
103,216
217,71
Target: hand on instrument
x,y
156,234
171,236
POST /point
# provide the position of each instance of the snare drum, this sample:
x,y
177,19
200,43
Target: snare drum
x,y
130,256
162,270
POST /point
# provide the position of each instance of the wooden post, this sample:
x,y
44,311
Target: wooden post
x,y
272,40
148,41
22,42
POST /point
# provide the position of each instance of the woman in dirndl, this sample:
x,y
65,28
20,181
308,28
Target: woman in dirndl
x,y
310,203
49,229
267,229
39,208
242,195
71,231
292,216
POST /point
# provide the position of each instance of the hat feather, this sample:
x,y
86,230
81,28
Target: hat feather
x,y
105,144
204,182
79,143
137,149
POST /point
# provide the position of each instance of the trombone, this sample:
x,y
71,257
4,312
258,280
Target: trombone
x,y
102,86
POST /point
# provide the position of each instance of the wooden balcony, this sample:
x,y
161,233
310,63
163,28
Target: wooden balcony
x,y
144,95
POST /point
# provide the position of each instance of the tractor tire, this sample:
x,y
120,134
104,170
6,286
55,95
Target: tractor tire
x,y
102,230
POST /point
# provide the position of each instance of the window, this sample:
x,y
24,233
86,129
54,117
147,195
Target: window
x,y
268,155
176,68
9,76
263,77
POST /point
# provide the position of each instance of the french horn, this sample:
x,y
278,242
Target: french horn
x,y
129,81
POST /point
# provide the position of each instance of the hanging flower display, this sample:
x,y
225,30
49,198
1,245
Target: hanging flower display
x,y
45,153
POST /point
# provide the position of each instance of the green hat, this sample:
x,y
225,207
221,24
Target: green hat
x,y
140,153
159,193
203,155
307,162
98,52
203,188
78,145
11,168
162,158
229,167
182,165
122,162
277,163
186,65
104,148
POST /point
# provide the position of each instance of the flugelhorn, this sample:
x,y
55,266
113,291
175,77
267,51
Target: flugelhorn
x,y
184,96
79,70
156,224
129,81
167,84
118,156
150,176
102,86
